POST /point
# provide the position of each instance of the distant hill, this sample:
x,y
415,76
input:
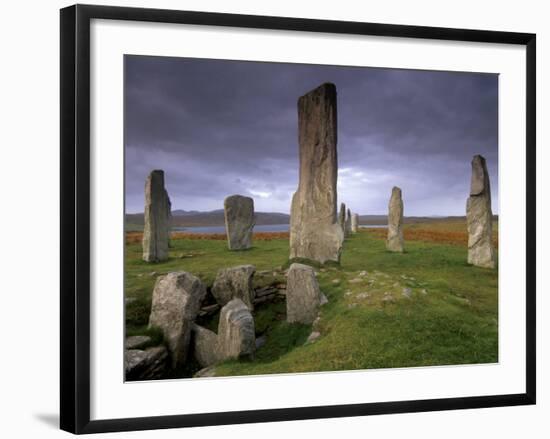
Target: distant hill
x,y
183,218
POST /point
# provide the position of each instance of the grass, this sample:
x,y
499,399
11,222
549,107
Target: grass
x,y
423,307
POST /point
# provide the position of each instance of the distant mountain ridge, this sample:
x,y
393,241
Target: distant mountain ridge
x,y
194,218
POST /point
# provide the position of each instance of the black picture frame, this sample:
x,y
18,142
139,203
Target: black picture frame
x,y
75,217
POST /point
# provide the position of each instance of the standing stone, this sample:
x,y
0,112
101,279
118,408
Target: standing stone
x,y
354,223
176,302
157,228
168,216
303,296
342,217
347,231
314,231
234,282
239,221
236,333
480,217
395,222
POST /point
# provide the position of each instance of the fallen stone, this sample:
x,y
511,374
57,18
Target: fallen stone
x,y
177,299
136,341
234,282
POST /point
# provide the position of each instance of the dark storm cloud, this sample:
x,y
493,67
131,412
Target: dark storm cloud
x,y
222,127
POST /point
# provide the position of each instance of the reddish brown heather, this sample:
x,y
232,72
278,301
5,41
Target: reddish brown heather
x,y
439,236
136,237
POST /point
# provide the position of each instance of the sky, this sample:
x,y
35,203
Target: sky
x,y
219,127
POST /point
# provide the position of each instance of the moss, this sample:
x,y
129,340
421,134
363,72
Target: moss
x,y
450,318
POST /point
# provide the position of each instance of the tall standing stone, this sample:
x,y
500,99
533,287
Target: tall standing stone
x,y
157,228
239,221
314,231
177,299
347,231
168,215
354,223
342,217
480,217
303,296
394,242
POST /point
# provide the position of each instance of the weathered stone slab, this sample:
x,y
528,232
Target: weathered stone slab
x,y
394,242
156,231
354,223
146,364
205,346
137,341
239,221
236,333
303,296
176,302
479,217
314,230
235,282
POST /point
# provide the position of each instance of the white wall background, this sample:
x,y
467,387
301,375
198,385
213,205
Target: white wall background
x,y
29,200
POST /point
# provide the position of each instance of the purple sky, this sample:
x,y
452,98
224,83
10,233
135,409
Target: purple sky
x,y
230,127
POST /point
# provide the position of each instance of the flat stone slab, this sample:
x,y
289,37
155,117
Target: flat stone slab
x,y
137,341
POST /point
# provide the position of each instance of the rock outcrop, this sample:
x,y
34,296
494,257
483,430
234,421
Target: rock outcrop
x,y
314,231
156,231
176,302
239,221
234,282
480,217
394,242
303,296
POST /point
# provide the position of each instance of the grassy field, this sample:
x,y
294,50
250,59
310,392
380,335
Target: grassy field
x,y
423,307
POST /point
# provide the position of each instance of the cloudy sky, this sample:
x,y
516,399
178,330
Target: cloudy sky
x,y
230,127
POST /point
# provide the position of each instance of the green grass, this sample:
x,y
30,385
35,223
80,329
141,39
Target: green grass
x,y
450,318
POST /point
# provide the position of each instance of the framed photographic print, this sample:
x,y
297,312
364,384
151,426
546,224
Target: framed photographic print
x,y
285,218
